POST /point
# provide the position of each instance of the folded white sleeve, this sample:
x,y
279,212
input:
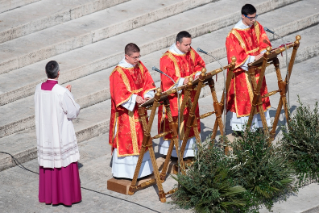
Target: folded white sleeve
x,y
70,107
149,94
249,60
130,104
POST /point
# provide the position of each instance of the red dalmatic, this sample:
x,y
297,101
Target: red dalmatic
x,y
243,43
124,82
178,66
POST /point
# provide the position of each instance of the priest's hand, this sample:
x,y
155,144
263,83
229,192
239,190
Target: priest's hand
x,y
259,56
139,100
185,81
68,87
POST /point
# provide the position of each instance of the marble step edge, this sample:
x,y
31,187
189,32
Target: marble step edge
x,y
7,5
31,153
147,48
84,39
60,17
102,95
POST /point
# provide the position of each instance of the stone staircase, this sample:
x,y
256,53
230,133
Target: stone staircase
x,y
87,38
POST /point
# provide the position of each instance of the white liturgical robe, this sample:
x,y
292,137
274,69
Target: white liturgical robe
x,y
56,139
124,167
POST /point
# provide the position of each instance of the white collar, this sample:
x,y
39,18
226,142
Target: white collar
x,y
240,25
125,64
173,49
50,79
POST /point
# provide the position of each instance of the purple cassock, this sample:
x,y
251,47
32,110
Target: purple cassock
x,y
59,185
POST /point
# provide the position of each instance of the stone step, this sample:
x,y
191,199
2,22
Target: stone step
x,y
91,122
107,53
94,120
87,30
22,117
47,13
6,5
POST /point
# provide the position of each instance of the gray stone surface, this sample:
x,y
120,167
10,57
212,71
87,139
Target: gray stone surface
x,y
86,30
108,52
7,5
45,14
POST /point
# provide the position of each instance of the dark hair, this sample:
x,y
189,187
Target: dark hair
x,y
248,9
181,35
131,48
52,69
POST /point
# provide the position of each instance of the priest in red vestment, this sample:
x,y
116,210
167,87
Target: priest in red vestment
x,y
130,84
247,41
58,154
179,62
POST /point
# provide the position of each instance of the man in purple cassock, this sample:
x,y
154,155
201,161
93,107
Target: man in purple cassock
x,y
58,154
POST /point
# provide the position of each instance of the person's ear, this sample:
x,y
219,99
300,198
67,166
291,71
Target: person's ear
x,y
242,16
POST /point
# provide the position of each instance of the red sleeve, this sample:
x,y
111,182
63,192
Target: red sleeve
x,y
263,40
168,67
119,90
199,62
148,81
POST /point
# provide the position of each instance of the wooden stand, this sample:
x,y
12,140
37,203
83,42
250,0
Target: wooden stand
x,y
271,56
218,106
147,143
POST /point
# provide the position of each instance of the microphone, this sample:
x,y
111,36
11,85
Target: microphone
x,y
178,107
268,30
224,72
202,51
158,70
284,43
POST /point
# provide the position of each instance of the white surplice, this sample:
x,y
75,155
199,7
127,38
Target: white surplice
x,y
238,124
56,140
124,167
163,145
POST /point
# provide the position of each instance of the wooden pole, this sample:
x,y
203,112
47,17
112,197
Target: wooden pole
x,y
257,100
147,142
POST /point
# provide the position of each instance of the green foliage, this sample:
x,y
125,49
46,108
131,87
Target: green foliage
x,y
261,169
208,185
302,142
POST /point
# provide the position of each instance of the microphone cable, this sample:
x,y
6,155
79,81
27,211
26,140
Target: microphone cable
x,y
225,92
178,116
287,73
92,190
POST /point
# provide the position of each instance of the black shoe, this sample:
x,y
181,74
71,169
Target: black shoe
x,y
237,133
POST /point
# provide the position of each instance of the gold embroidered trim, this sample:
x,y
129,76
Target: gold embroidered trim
x,y
192,53
263,49
239,38
133,132
137,90
170,56
141,68
124,101
249,113
115,127
125,79
146,91
257,31
249,87
235,95
242,62
252,51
